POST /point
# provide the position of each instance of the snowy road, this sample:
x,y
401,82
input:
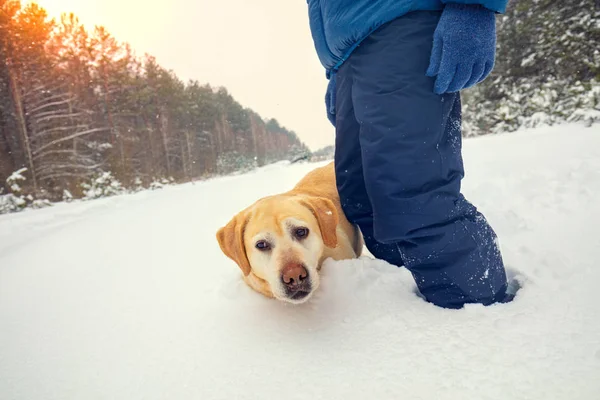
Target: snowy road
x,y
130,298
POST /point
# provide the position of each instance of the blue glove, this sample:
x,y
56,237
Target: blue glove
x,y
330,99
464,47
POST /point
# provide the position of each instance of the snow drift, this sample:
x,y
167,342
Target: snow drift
x,y
130,298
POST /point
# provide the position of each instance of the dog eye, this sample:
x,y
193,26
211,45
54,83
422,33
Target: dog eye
x,y
263,245
301,233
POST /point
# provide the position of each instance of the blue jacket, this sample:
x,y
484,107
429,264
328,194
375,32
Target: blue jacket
x,y
338,26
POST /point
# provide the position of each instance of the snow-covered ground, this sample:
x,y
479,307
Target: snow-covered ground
x,y
130,298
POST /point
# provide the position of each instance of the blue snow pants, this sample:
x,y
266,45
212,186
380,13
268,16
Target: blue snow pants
x,y
399,167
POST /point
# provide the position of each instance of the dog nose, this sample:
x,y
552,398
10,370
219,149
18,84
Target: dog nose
x,y
294,274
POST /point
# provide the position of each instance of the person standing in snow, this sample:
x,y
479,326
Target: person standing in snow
x,y
395,69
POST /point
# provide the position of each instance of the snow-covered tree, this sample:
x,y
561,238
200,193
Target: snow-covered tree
x,y
76,104
547,68
102,185
15,199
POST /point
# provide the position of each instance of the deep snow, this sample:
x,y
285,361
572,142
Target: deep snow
x,y
130,297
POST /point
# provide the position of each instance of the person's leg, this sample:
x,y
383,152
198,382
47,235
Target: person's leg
x,y
348,168
410,140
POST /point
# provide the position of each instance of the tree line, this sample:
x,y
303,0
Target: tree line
x,y
75,104
547,68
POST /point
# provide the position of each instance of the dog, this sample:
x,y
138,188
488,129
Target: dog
x,y
281,241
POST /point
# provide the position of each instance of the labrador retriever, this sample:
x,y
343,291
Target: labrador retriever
x,y
281,241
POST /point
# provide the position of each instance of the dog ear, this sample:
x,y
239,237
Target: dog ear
x,y
231,241
327,217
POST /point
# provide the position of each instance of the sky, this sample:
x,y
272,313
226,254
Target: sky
x,y
260,50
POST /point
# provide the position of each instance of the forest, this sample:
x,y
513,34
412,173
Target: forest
x,y
547,69
79,110
82,116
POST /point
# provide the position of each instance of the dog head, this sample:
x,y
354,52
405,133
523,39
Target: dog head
x,y
278,244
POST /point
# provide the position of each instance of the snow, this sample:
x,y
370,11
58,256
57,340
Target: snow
x,y
129,297
17,175
14,178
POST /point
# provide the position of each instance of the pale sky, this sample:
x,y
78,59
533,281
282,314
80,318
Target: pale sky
x,y
261,50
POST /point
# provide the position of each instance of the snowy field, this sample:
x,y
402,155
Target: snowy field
x,y
130,298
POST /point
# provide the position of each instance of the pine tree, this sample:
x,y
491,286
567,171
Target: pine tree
x,y
79,111
547,68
